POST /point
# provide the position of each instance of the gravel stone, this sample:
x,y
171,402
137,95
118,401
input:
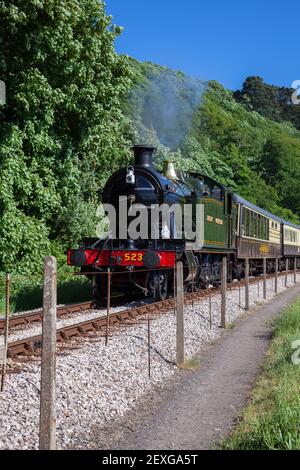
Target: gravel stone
x,y
98,384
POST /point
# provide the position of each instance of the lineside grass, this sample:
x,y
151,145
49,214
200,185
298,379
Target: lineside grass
x,y
272,419
28,294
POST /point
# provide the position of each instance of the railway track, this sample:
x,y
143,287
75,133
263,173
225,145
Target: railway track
x,y
33,317
31,345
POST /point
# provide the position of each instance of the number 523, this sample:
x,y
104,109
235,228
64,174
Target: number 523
x,y
133,257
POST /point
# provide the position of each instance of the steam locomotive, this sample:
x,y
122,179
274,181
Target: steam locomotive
x,y
230,226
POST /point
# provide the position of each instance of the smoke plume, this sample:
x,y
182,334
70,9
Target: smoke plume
x,y
165,104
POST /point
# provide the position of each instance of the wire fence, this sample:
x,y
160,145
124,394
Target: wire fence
x,y
26,291
211,305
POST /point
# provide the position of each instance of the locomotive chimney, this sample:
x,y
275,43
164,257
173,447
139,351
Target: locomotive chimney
x,y
143,155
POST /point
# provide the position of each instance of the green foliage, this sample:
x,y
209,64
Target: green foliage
x,y
250,145
271,420
27,291
62,131
69,123
270,101
281,161
255,156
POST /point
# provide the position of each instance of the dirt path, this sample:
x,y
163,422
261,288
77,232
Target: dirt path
x,y
200,408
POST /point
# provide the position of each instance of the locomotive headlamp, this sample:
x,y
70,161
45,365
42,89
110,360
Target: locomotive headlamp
x,y
151,259
78,257
130,176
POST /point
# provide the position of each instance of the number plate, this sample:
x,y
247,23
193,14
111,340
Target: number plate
x,y
133,258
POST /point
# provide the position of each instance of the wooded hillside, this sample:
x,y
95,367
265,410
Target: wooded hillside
x,y
74,108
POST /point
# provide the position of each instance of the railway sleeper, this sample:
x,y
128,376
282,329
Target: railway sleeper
x,y
34,318
70,333
97,325
17,322
86,328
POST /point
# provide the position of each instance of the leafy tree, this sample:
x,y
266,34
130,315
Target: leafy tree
x,y
256,156
270,101
281,161
62,130
74,107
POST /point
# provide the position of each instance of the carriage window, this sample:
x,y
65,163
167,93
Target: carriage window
x,y
263,225
260,226
266,233
264,228
250,224
253,224
246,222
256,225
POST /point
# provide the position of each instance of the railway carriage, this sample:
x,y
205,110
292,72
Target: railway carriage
x,y
258,232
290,240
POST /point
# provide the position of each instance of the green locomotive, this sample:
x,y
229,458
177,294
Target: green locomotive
x,y
229,226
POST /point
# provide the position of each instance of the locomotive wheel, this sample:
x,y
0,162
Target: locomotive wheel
x,y
159,285
162,290
237,271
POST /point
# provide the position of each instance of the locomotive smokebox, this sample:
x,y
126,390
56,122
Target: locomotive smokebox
x,y
143,155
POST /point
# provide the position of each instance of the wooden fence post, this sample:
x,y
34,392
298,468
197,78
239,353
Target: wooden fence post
x,y
295,270
276,275
265,277
223,291
108,305
149,346
247,305
48,365
6,329
286,271
179,315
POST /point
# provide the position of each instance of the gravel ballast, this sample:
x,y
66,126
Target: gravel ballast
x,y
98,384
28,330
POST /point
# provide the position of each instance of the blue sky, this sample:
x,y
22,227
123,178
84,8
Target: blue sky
x,y
221,40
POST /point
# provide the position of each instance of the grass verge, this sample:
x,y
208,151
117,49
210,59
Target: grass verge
x,y
27,294
190,364
272,418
